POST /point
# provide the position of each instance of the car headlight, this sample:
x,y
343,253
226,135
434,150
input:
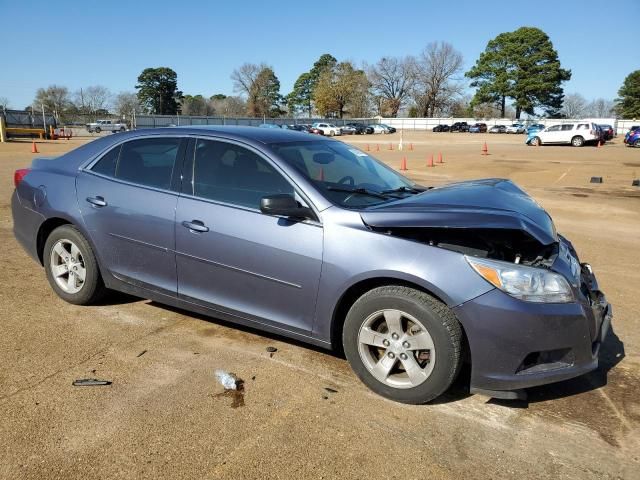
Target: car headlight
x,y
526,283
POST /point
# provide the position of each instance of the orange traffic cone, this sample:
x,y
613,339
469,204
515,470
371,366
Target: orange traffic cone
x,y
485,149
377,147
430,164
411,146
367,147
599,144
34,148
403,165
440,157
391,146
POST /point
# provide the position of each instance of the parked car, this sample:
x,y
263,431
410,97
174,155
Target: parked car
x,y
328,129
347,130
299,128
498,129
106,126
516,128
602,136
632,138
361,128
316,131
478,128
576,134
308,223
459,127
377,128
389,128
608,131
441,128
268,125
534,128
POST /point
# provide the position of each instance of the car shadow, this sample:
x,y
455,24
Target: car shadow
x,y
611,354
249,330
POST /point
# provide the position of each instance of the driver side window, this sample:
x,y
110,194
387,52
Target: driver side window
x,y
232,174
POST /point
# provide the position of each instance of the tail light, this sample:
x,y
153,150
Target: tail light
x,y
18,175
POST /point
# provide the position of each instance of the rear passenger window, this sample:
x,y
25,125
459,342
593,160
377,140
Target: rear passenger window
x,y
555,128
148,161
566,127
583,126
232,174
107,164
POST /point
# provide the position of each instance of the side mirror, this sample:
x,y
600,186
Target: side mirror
x,y
285,205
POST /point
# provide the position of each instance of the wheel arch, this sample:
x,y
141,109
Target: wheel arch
x,y
355,291
48,226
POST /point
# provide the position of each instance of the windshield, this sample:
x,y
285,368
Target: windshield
x,y
344,174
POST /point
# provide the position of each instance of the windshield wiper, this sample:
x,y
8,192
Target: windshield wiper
x,y
403,189
360,190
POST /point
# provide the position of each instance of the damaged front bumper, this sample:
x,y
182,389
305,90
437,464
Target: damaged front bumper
x,y
516,344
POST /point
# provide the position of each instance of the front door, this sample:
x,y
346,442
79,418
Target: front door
x,y
129,210
233,258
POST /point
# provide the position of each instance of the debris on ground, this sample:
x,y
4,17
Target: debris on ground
x,y
227,380
271,351
233,387
331,390
141,353
90,382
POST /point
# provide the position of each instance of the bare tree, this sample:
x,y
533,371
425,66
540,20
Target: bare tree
x,y
601,108
126,104
54,98
392,80
97,98
574,106
436,77
4,103
245,76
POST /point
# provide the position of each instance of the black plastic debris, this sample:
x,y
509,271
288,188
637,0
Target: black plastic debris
x,y
141,353
635,183
271,351
331,390
596,179
90,382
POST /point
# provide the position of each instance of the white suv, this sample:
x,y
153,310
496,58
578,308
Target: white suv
x,y
328,128
577,134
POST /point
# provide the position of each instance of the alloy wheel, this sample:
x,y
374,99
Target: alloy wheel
x,y
68,266
396,348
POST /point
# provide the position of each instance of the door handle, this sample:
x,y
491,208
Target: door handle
x,y
97,201
195,226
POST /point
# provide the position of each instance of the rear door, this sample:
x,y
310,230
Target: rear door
x,y
128,206
233,258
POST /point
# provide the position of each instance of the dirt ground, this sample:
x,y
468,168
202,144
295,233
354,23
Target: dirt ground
x,y
305,414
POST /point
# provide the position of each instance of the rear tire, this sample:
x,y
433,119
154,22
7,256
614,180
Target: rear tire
x,y
98,130
71,267
536,142
577,141
403,344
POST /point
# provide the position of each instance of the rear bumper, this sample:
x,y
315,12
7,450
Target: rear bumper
x,y
516,344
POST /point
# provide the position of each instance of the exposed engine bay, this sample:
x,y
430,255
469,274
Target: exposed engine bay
x,y
499,244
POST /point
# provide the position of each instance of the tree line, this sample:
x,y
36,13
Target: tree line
x,y
518,72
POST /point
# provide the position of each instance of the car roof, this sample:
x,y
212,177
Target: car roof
x,y
256,134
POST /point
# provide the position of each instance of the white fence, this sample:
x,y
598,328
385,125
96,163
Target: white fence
x,y
620,126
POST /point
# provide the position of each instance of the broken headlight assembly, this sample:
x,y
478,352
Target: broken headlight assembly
x,y
525,283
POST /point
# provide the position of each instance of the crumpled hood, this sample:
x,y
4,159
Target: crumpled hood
x,y
487,203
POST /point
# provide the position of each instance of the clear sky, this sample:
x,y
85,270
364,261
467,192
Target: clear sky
x,y
99,42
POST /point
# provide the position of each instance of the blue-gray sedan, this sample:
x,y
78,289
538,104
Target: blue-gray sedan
x,y
314,239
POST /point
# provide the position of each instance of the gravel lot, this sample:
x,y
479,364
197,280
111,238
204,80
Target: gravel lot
x,y
305,414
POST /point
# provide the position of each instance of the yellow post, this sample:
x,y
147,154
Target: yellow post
x,y
3,130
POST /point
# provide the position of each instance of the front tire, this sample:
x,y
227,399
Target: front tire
x,y
403,344
71,267
536,142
